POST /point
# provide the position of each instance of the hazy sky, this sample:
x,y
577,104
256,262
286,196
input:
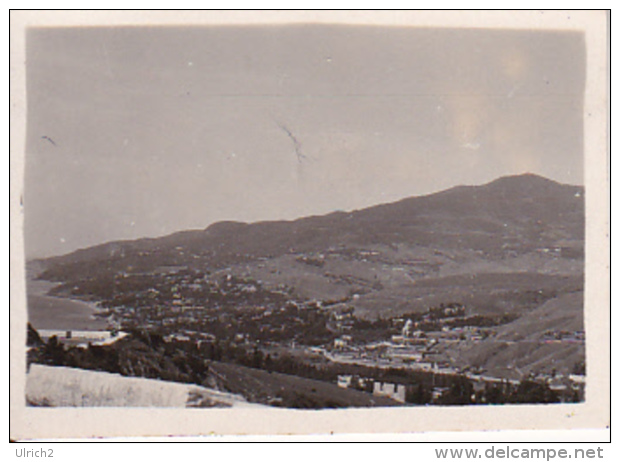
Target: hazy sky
x,y
137,132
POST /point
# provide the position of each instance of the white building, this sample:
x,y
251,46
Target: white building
x,y
395,391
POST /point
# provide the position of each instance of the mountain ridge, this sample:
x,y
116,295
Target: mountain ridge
x,y
480,205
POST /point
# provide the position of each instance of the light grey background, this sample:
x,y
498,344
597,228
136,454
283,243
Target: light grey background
x,y
136,132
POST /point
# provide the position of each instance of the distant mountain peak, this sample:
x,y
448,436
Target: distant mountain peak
x,y
527,183
524,177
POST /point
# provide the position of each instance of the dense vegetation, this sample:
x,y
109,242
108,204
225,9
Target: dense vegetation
x,y
148,354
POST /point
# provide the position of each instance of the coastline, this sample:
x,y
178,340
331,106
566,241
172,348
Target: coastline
x,y
59,313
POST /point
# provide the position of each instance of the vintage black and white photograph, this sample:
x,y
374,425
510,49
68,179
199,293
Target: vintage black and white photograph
x,y
304,215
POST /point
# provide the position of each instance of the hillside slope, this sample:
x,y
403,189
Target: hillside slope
x,y
64,386
290,391
528,344
513,214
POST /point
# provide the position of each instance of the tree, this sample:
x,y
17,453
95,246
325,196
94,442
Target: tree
x,y
494,394
460,392
418,394
529,391
33,337
579,368
54,351
257,358
268,363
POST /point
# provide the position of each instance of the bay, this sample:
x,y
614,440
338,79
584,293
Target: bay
x,y
56,313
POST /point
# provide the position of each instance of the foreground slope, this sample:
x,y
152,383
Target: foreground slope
x,y
65,386
288,390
